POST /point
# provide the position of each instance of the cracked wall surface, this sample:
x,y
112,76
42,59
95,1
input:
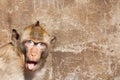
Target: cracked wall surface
x,y
87,31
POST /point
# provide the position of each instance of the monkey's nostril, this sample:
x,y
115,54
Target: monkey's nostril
x,y
33,54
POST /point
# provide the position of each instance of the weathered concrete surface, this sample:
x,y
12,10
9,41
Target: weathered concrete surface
x,y
87,31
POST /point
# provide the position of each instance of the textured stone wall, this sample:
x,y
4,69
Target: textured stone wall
x,y
87,31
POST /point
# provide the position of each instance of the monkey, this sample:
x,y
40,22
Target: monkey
x,y
34,43
26,54
11,62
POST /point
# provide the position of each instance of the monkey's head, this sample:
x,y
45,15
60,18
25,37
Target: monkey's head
x,y
34,42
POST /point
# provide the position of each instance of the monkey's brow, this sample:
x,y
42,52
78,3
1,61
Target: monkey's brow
x,y
35,43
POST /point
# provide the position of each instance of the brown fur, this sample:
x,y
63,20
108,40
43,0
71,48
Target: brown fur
x,y
11,64
17,58
36,34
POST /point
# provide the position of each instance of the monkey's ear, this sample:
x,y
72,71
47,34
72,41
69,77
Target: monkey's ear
x,y
37,23
15,36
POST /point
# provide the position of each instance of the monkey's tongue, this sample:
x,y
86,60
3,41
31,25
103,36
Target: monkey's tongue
x,y
31,66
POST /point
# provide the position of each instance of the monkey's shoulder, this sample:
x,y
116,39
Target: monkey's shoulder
x,y
7,49
6,46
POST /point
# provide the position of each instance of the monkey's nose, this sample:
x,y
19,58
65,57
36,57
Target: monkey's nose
x,y
34,51
33,54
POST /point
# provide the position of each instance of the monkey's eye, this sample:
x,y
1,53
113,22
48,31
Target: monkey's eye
x,y
30,42
41,44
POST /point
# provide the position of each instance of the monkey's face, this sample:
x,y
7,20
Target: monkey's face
x,y
34,53
34,42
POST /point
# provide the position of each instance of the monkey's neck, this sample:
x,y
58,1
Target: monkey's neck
x,y
29,75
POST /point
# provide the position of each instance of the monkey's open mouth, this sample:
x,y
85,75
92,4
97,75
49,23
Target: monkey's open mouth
x,y
31,65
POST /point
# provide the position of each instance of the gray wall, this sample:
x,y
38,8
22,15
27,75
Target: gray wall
x,y
87,31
